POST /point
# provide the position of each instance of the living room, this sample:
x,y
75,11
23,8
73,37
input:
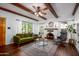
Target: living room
x,y
54,18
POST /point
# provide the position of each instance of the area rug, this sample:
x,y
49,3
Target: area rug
x,y
36,50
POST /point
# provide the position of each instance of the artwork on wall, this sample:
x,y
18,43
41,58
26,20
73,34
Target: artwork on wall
x,y
50,24
17,20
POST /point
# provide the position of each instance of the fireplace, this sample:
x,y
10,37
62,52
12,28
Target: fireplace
x,y
50,36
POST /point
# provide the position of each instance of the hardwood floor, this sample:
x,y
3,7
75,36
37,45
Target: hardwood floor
x,y
66,50
32,49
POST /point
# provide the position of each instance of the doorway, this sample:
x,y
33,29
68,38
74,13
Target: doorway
x,y
2,30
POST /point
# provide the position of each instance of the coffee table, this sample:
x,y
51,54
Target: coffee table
x,y
41,41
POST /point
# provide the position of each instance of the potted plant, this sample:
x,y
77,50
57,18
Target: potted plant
x,y
72,31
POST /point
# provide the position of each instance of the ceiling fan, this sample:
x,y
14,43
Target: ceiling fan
x,y
39,11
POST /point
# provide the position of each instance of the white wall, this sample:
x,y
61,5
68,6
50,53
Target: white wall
x,y
35,28
14,24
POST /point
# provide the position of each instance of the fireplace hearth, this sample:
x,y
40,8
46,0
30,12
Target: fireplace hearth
x,y
50,36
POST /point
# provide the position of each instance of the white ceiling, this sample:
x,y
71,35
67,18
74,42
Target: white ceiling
x,y
63,10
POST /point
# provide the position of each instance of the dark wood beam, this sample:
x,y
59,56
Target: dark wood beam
x,y
5,9
75,9
26,9
50,7
22,7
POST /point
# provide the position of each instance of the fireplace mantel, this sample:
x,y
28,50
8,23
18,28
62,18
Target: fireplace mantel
x,y
51,29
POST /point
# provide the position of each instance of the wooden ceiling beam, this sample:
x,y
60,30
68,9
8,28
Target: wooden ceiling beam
x,y
75,9
50,7
5,9
26,9
22,7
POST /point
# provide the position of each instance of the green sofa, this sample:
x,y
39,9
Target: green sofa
x,y
23,38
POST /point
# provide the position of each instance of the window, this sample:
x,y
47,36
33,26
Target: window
x,y
30,27
26,27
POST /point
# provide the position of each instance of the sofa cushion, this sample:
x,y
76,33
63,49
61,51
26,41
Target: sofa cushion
x,y
20,35
29,35
24,35
28,38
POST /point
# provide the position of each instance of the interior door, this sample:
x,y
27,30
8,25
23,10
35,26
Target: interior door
x,y
2,30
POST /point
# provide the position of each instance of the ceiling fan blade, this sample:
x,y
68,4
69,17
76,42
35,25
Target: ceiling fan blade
x,y
43,13
34,7
38,9
45,9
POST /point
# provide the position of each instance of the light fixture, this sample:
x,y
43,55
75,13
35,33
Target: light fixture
x,y
38,14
